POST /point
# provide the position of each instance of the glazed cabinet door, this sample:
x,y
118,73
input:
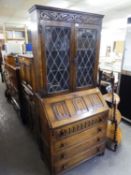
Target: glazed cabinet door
x,y
57,37
86,56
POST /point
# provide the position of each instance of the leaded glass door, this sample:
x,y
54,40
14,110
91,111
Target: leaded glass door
x,y
86,41
58,54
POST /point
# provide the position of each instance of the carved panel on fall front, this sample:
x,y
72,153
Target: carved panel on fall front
x,y
62,110
79,105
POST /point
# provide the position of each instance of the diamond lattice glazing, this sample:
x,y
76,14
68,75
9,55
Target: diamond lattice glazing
x,y
86,46
57,53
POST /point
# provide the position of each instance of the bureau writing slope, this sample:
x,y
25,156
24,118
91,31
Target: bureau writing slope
x,y
72,112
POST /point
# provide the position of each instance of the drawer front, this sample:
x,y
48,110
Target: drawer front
x,y
84,145
80,126
79,158
77,139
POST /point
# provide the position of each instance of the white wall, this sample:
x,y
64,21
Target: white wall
x,y
127,53
108,36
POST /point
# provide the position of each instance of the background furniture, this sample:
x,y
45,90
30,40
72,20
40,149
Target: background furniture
x,y
105,81
1,63
26,64
108,87
13,33
18,71
12,80
125,82
125,94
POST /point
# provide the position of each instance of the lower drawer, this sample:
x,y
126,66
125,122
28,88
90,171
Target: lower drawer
x,y
78,158
75,149
78,138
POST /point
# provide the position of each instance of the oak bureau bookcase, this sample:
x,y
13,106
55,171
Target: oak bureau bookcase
x,y
72,112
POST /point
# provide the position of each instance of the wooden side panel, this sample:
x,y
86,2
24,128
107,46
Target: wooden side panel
x,y
37,52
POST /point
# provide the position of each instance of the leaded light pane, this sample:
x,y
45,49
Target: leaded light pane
x,y
86,53
57,54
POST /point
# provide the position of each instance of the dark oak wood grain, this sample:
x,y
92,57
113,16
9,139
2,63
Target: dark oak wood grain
x,y
53,19
72,123
71,113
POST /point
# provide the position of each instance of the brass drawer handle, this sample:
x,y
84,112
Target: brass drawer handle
x,y
99,129
61,133
62,145
63,167
100,119
98,139
98,149
62,156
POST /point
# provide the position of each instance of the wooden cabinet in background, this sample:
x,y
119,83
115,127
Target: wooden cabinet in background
x,y
20,84
28,107
27,70
12,80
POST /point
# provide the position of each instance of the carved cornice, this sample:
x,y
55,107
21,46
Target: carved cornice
x,y
47,15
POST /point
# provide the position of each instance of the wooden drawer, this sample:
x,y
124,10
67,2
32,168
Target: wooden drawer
x,y
80,147
80,126
77,139
78,158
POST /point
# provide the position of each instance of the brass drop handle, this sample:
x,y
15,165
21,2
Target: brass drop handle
x,y
63,167
61,133
100,119
98,149
62,156
98,139
61,145
99,129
